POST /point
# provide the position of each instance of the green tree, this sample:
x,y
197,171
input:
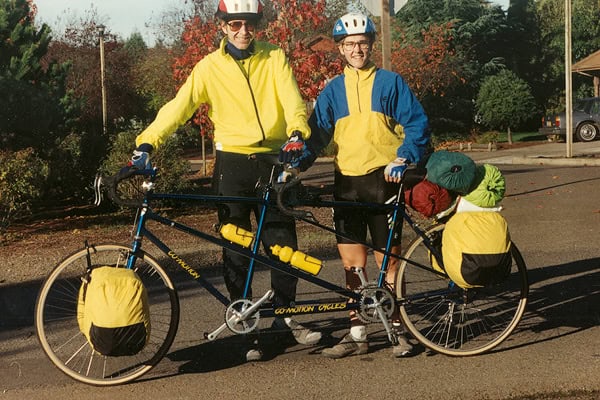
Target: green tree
x,y
478,36
585,38
524,54
505,101
22,177
153,78
135,46
37,110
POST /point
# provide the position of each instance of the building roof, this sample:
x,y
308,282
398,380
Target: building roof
x,y
589,65
321,43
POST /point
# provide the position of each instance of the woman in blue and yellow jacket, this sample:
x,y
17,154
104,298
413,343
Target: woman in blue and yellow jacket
x,y
378,127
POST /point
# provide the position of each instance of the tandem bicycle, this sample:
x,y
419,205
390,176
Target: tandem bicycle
x,y
439,314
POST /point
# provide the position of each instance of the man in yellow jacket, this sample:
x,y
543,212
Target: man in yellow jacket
x,y
256,107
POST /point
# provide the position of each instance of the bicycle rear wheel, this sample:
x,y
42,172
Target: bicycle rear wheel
x,y
455,321
58,330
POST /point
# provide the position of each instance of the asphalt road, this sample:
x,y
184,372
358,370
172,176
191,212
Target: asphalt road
x,y
554,217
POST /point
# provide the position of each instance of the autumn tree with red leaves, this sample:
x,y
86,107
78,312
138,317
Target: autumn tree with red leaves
x,y
429,66
294,26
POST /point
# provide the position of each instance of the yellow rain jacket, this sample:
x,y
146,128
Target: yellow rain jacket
x,y
255,103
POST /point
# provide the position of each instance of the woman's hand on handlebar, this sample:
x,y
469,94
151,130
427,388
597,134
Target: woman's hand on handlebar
x,y
394,170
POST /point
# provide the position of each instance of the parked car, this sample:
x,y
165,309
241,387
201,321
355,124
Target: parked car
x,y
586,121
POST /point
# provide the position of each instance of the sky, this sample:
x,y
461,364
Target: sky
x,y
122,17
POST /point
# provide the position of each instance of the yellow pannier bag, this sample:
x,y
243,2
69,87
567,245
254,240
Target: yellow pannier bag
x,y
476,248
113,311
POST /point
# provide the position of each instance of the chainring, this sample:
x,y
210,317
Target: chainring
x,y
233,317
373,297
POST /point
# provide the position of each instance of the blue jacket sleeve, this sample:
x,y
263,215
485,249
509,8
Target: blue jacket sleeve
x,y
408,112
321,123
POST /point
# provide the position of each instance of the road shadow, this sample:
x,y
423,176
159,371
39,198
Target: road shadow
x,y
229,352
562,296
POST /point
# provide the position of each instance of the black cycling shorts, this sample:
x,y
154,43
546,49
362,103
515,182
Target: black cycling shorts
x,y
351,223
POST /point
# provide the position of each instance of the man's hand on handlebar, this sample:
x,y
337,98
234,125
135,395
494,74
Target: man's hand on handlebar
x,y
296,153
141,157
293,148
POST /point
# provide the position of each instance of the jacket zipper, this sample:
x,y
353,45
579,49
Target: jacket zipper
x,y
247,76
358,91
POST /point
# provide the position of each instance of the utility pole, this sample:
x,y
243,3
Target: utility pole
x,y
568,80
386,44
101,33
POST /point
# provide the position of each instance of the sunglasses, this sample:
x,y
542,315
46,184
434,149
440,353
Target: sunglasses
x,y
237,25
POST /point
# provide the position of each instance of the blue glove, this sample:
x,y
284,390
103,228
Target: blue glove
x,y
292,149
141,157
393,171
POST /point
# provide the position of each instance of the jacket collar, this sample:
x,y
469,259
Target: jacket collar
x,y
236,53
362,74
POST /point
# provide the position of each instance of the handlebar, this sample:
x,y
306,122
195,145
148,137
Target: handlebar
x,y
288,193
111,183
283,189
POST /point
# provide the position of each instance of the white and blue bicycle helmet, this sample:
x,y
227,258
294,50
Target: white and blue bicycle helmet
x,y
353,24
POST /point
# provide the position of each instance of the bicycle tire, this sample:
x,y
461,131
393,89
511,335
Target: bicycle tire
x,y
58,330
454,321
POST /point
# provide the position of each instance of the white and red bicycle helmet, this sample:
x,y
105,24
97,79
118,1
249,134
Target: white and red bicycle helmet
x,y
228,10
353,24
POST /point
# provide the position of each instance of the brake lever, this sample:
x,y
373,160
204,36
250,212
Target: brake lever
x,y
287,175
98,196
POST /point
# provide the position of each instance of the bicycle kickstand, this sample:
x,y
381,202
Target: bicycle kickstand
x,y
238,317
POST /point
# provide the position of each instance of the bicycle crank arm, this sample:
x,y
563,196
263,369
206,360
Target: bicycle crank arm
x,y
237,317
213,335
387,326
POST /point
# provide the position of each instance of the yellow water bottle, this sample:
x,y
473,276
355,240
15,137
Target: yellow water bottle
x,y
237,235
297,259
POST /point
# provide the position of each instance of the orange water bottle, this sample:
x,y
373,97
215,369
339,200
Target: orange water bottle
x,y
297,259
237,235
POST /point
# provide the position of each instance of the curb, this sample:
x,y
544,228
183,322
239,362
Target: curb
x,y
563,161
544,160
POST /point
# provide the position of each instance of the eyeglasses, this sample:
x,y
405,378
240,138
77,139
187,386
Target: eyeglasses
x,y
349,46
237,25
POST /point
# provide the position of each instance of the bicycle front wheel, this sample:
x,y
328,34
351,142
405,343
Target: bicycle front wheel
x,y
455,321
58,330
